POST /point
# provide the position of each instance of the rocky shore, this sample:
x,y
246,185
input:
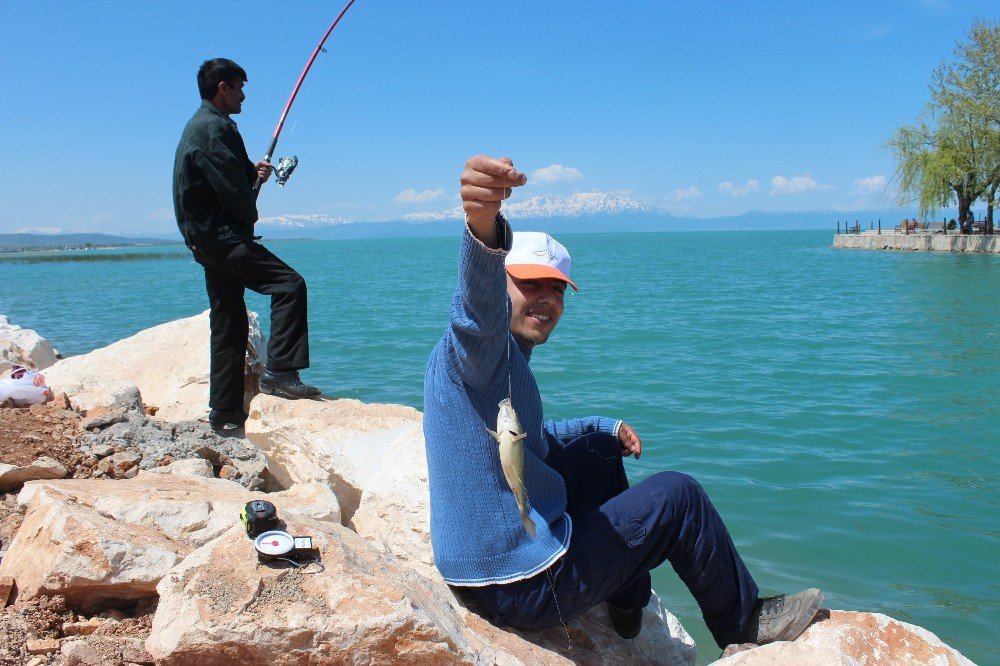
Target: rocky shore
x,y
122,542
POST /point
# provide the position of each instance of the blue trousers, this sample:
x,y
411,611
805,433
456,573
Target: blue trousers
x,y
619,535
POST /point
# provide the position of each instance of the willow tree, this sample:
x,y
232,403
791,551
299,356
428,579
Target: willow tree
x,y
952,152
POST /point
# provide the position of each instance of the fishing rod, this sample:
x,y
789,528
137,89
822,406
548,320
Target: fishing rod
x,y
286,165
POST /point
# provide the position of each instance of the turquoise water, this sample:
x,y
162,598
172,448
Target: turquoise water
x,y
842,408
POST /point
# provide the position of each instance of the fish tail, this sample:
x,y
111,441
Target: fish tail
x,y
529,524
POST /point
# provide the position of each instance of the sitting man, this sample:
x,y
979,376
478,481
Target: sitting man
x,y
595,539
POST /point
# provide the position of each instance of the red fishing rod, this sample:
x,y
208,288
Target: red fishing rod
x,y
285,169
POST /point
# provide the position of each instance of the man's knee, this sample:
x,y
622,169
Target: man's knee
x,y
680,486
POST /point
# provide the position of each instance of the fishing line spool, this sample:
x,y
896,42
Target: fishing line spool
x,y
286,165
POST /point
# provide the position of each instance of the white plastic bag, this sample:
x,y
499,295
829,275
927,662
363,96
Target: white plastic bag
x,y
25,387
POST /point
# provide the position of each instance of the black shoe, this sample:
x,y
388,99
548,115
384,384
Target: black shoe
x,y
782,618
286,384
223,419
626,621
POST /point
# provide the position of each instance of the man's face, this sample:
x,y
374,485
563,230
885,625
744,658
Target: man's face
x,y
231,97
536,306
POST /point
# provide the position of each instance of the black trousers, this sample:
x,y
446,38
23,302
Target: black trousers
x,y
229,271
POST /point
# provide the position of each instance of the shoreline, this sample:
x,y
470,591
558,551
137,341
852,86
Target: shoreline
x,y
924,242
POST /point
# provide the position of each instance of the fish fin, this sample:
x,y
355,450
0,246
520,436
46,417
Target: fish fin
x,y
529,524
496,436
518,438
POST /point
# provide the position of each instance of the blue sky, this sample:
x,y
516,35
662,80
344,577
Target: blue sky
x,y
700,108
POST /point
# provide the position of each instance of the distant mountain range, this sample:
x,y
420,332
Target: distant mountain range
x,y
587,212
590,212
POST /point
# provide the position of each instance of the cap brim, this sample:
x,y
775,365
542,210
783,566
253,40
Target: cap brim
x,y
538,271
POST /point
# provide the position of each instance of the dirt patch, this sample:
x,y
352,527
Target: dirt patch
x,y
28,433
117,639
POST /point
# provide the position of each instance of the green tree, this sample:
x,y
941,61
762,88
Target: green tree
x,y
952,151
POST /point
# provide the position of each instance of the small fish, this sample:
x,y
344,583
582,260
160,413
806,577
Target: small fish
x,y
510,438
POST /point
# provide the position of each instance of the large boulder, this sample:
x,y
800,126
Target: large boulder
x,y
23,346
168,363
101,542
190,509
854,638
220,606
342,443
67,548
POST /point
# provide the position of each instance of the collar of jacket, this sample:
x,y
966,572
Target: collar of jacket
x,y
207,105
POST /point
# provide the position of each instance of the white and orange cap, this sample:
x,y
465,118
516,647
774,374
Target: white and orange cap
x,y
535,255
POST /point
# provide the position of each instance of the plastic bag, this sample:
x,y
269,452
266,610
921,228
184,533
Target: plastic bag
x,y
25,387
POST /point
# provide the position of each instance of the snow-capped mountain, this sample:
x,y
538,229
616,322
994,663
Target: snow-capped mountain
x,y
303,221
574,205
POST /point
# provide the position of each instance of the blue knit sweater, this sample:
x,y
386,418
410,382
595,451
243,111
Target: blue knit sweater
x,y
476,530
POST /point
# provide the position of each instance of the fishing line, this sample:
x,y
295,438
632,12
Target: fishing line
x,y
295,91
552,586
510,386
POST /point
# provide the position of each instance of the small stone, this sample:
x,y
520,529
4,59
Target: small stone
x,y
136,654
6,585
82,628
150,410
114,614
228,472
37,661
102,450
43,646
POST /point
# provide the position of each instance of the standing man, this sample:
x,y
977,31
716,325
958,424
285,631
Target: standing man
x,y
595,538
216,208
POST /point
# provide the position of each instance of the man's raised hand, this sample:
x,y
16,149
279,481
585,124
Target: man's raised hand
x,y
486,182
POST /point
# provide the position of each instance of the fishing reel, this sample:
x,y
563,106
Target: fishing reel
x,y
284,169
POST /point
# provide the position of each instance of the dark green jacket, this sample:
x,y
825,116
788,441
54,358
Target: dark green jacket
x,y
214,201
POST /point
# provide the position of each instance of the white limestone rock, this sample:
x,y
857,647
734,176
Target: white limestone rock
x,y
189,509
854,638
63,547
44,467
341,443
23,346
221,607
169,364
187,467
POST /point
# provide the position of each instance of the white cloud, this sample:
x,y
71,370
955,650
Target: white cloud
x,y
555,173
48,231
684,194
795,185
412,196
750,187
870,185
162,215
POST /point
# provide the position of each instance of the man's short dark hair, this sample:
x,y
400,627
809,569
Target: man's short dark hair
x,y
215,71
